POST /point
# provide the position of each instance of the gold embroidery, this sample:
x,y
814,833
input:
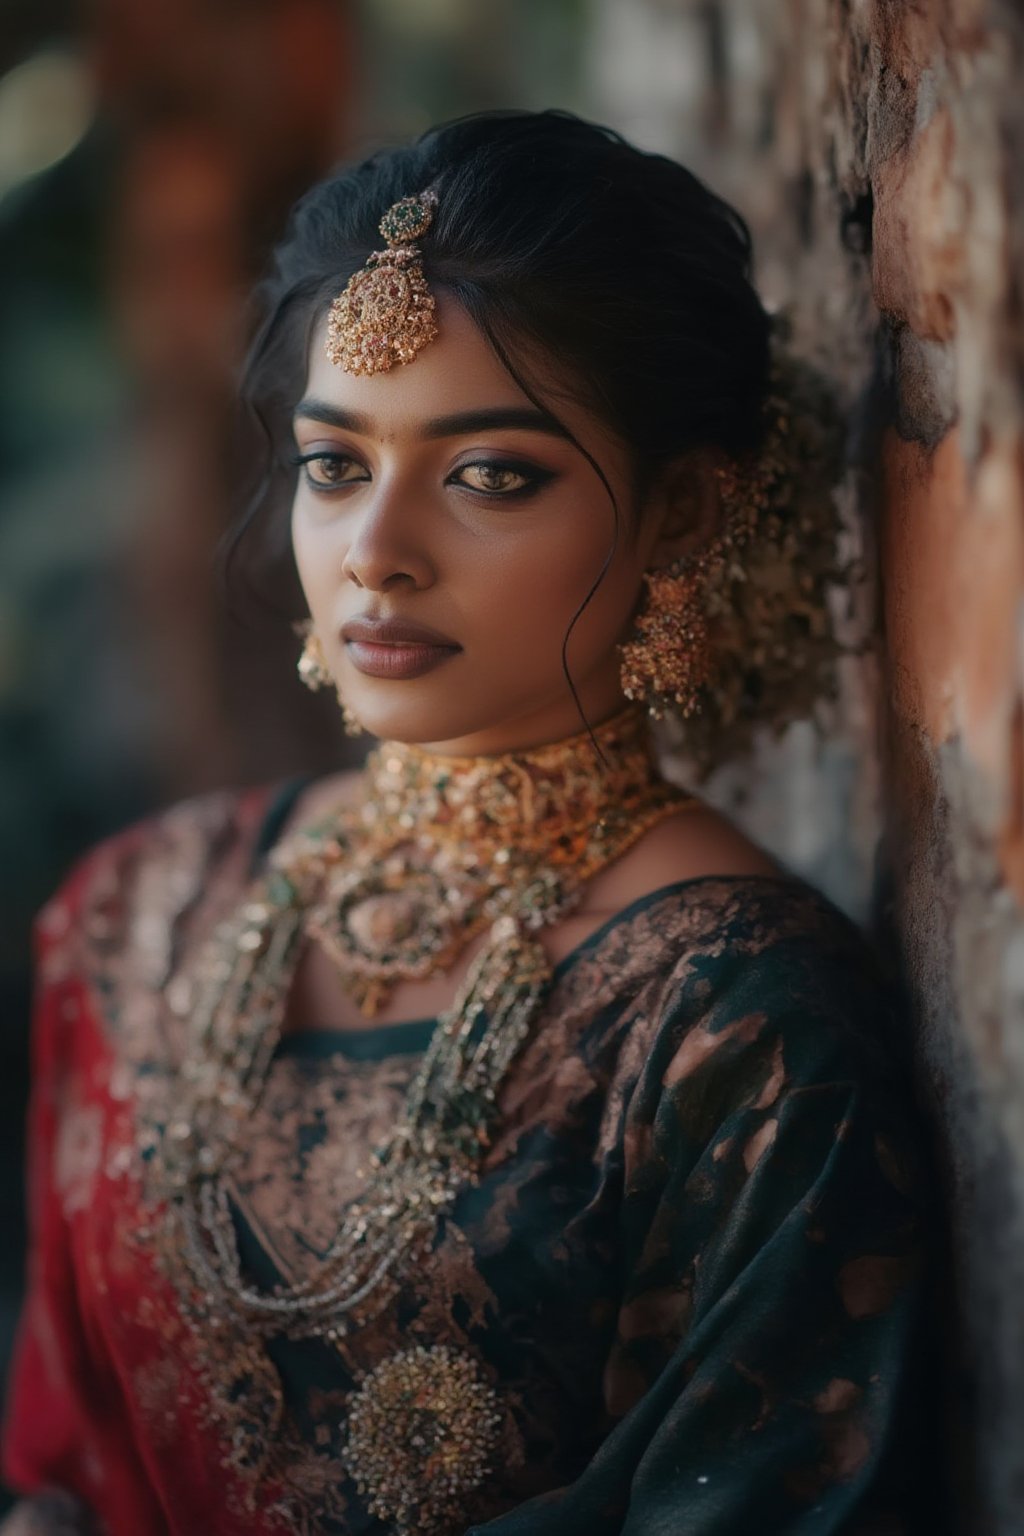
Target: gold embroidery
x,y
291,1184
463,843
423,1434
295,1470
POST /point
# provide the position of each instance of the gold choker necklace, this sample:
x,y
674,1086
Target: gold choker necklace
x,y
440,847
436,850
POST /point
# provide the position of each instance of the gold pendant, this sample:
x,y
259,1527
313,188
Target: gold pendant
x,y
424,1432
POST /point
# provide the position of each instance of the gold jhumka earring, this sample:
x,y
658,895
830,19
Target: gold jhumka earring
x,y
316,674
670,656
747,637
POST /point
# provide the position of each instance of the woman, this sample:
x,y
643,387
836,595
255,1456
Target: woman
x,y
495,1138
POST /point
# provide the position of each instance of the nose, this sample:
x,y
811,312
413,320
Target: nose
x,y
387,547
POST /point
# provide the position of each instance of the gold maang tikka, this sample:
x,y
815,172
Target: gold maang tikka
x,y
385,314
316,674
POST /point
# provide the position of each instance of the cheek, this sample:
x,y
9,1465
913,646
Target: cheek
x,y
549,560
526,593
314,568
303,564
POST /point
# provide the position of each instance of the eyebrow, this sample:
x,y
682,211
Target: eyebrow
x,y
490,419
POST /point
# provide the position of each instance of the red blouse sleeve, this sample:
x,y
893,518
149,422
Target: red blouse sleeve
x,y
45,1432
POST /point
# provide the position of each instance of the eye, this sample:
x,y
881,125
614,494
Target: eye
x,y
325,471
500,479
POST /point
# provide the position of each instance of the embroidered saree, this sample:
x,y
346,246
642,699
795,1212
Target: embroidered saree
x,y
690,1274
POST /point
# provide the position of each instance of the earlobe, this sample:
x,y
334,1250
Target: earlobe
x,y
688,508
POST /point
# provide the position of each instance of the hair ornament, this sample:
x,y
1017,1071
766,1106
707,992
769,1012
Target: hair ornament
x,y
385,314
748,635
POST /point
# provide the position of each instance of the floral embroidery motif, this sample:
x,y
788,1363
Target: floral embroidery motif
x,y
423,1434
669,1042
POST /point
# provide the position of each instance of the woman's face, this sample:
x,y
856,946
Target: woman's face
x,y
446,534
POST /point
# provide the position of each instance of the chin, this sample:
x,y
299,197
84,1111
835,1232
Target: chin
x,y
436,716
433,710
414,722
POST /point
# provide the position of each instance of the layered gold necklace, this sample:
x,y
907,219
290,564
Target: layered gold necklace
x,y
434,852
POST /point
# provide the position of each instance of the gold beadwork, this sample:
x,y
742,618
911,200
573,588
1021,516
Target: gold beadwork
x,y
767,631
385,314
424,1431
670,656
316,674
509,842
312,664
491,835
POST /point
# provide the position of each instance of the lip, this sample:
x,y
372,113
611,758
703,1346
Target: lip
x,y
395,647
395,632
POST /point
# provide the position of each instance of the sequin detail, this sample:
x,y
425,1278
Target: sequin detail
x,y
424,1430
394,885
385,314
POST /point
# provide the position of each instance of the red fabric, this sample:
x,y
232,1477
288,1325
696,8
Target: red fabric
x,y
100,1401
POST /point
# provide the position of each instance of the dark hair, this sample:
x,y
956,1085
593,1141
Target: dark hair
x,y
558,237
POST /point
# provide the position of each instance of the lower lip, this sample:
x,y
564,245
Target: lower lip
x,y
397,660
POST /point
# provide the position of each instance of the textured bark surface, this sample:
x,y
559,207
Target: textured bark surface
x,y
875,149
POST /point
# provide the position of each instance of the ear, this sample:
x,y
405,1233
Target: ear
x,y
685,506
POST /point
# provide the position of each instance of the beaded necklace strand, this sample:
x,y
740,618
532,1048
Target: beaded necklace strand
x,y
436,851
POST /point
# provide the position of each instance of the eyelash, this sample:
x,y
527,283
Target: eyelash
x,y
534,479
304,460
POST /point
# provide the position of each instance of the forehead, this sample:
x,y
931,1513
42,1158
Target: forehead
x,y
457,371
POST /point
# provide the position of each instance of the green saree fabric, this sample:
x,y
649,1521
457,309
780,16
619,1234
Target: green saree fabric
x,y
691,1273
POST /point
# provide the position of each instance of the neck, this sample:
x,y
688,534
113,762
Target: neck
x,y
557,788
627,724
440,847
525,732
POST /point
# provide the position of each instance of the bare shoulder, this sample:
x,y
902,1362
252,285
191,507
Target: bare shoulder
x,y
699,841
